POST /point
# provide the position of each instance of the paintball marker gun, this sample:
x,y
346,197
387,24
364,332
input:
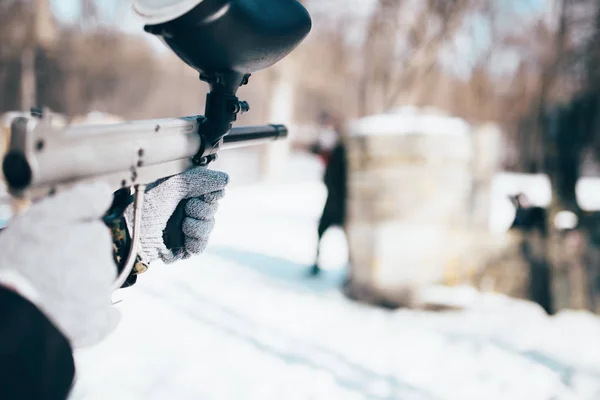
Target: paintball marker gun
x,y
225,41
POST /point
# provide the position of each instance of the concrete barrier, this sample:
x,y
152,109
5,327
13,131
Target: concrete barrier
x,y
418,205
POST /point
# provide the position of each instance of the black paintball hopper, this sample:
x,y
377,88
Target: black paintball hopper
x,y
226,41
216,36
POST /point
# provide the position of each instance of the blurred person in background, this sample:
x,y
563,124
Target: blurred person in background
x,y
330,147
57,270
531,221
527,216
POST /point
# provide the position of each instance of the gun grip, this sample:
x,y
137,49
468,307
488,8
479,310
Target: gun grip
x,y
122,198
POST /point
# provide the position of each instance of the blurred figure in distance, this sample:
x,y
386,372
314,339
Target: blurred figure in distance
x,y
527,216
531,220
331,149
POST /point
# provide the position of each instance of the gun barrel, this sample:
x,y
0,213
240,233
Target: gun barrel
x,y
42,158
253,135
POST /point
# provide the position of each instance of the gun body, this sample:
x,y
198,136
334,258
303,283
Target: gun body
x,y
42,159
225,41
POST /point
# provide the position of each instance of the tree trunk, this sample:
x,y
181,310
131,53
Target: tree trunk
x,y
274,155
28,81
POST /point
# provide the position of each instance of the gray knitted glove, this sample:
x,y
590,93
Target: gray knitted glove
x,y
178,214
61,252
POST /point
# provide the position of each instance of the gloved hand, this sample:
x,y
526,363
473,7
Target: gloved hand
x,y
188,203
62,252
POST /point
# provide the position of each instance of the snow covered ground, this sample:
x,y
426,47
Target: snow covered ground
x,y
243,322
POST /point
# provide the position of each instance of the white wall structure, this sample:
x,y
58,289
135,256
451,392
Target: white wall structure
x,y
419,190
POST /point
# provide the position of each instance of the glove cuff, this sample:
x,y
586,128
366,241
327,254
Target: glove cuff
x,y
11,279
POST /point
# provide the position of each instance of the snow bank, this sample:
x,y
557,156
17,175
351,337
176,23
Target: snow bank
x,y
409,121
588,193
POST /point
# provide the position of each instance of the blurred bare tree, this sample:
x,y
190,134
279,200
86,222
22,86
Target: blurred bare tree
x,y
399,52
96,70
567,116
361,66
73,69
402,48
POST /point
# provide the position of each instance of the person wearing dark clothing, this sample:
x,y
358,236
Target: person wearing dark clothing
x,y
528,217
334,212
335,179
36,360
531,219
